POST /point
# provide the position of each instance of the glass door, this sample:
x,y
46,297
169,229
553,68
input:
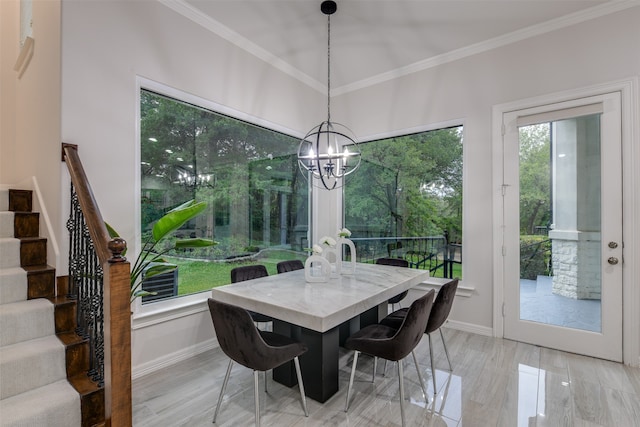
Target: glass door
x,y
563,227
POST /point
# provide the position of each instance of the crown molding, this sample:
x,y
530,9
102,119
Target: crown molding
x,y
186,10
216,27
494,43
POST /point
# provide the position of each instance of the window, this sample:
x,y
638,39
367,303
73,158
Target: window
x,y
406,201
257,201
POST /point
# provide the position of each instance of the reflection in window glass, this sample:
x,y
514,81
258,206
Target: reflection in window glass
x,y
405,201
257,199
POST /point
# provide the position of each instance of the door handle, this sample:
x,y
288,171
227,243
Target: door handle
x,y
612,260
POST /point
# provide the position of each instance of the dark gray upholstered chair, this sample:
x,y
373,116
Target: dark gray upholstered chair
x,y
396,262
258,350
289,265
439,314
392,344
248,272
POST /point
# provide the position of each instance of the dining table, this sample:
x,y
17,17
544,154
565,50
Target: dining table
x,y
321,314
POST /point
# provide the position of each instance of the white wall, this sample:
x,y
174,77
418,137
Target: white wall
x,y
595,52
106,44
30,111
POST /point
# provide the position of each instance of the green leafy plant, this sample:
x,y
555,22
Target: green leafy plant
x,y
150,261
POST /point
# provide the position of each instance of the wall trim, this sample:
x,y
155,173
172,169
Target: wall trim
x,y
172,358
469,327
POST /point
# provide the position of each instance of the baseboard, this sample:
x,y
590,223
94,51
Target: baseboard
x,y
172,358
469,327
186,353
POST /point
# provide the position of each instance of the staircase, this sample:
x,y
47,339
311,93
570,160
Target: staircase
x,y
43,362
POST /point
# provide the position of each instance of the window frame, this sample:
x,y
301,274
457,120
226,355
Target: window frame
x,y
159,311
432,282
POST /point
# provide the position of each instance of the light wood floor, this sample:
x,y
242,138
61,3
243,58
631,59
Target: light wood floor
x,y
494,382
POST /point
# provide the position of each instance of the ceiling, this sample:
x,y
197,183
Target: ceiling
x,y
376,40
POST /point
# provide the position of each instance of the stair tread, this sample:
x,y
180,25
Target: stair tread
x,y
12,351
25,320
70,338
31,364
14,285
83,384
10,249
38,268
53,405
6,224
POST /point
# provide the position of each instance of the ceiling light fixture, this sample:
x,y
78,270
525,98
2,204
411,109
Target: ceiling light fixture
x,y
329,152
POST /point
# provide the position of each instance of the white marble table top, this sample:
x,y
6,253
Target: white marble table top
x,y
320,306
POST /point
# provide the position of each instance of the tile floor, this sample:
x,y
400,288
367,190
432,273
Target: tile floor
x,y
495,382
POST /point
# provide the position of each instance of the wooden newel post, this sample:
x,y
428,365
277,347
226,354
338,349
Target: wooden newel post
x,y
118,410
117,246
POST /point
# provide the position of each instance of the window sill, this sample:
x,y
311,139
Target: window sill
x,y
188,305
171,309
437,282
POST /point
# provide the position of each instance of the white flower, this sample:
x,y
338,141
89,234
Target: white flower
x,y
329,241
344,233
317,249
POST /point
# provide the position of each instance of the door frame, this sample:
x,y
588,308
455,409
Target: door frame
x,y
630,210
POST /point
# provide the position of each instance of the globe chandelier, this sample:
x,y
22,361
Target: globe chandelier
x,y
328,152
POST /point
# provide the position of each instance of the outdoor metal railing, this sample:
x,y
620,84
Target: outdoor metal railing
x,y
426,252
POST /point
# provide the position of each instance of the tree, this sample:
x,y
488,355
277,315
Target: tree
x,y
408,186
535,187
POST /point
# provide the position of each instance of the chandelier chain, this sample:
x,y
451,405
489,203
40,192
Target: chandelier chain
x,y
328,68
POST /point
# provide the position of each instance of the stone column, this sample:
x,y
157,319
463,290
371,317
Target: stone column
x,y
575,231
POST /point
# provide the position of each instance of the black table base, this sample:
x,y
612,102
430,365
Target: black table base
x,y
319,365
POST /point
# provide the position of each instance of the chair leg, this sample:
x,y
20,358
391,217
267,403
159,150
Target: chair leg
x,y
424,389
353,372
301,386
224,386
433,369
446,352
401,380
375,368
265,382
256,396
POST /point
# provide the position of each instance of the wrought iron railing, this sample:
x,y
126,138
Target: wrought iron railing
x,y
99,279
426,252
86,286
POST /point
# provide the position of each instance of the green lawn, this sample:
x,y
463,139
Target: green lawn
x,y
197,276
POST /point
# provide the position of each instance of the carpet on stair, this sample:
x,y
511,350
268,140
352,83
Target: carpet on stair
x,y
31,364
54,405
6,224
26,320
13,285
4,197
9,252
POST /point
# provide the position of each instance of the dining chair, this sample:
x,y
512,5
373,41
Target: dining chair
x,y
439,314
248,272
257,350
392,344
289,265
396,262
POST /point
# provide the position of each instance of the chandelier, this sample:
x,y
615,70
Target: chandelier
x,y
329,152
192,180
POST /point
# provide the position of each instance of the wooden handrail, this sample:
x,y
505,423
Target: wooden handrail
x,y
93,217
116,304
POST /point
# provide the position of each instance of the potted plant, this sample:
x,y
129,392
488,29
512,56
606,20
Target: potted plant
x,y
150,260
